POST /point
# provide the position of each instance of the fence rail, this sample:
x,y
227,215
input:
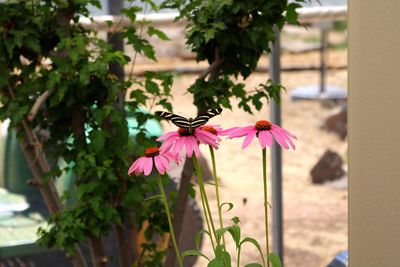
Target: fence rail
x,y
307,15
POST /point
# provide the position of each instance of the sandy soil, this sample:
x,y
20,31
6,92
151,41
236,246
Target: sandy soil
x,y
315,216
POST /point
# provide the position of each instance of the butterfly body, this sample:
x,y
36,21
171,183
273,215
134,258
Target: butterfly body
x,y
189,123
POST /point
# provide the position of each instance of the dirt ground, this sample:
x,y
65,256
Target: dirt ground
x,y
315,216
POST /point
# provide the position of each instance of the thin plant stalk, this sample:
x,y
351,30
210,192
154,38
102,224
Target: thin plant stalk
x,y
207,220
217,190
171,227
204,195
238,256
264,160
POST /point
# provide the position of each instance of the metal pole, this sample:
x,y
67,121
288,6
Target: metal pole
x,y
276,155
323,57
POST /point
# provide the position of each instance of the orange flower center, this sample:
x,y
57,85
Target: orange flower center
x,y
152,152
184,132
209,129
263,125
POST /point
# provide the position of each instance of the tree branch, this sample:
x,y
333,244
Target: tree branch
x,y
38,104
211,69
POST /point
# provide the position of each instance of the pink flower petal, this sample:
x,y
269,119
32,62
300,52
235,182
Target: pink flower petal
x,y
208,138
229,131
248,139
289,140
159,165
242,131
173,156
165,162
180,143
280,129
207,134
189,147
147,166
285,135
167,145
167,136
195,147
279,139
265,138
136,166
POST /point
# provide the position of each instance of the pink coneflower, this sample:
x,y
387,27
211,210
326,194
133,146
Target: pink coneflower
x,y
264,130
160,157
177,140
214,129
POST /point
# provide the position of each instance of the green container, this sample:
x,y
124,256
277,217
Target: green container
x,y
16,169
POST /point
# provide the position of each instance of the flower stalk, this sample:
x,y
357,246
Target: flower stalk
x,y
217,190
264,162
203,194
171,227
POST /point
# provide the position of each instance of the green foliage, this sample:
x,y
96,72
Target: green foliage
x,y
44,49
275,260
231,36
40,50
241,31
219,92
222,258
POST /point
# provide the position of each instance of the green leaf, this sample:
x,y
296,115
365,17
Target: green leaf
x,y
253,265
291,13
223,259
74,54
199,237
131,12
53,79
97,140
255,243
193,253
138,96
220,232
230,205
209,34
153,31
234,230
109,23
217,262
152,87
148,50
274,259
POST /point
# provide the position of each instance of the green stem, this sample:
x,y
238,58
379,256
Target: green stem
x,y
264,159
238,257
204,195
171,227
207,220
217,190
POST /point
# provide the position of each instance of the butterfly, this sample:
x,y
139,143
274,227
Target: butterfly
x,y
189,123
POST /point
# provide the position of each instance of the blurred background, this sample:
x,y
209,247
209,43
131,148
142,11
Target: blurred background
x,y
314,176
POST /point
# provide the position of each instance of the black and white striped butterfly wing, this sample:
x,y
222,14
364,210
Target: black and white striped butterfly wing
x,y
203,118
189,123
175,119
